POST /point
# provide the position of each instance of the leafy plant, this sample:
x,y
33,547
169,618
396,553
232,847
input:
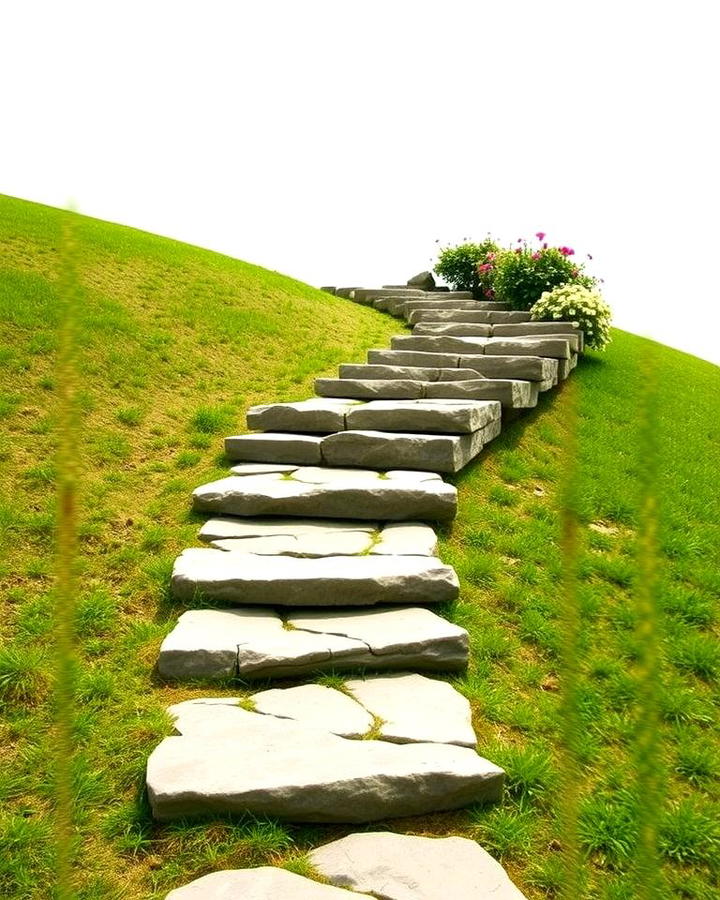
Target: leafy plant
x,y
460,266
522,274
576,303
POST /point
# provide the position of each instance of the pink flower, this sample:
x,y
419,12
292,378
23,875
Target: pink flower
x,y
540,235
536,255
566,251
491,256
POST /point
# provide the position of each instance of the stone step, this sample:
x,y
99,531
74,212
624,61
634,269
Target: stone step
x,y
319,537
230,760
411,305
385,864
412,373
259,643
378,864
561,330
397,304
554,348
324,415
511,393
481,316
238,578
462,329
446,453
528,368
392,495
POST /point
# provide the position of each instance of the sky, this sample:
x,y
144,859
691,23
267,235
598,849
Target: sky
x,y
337,141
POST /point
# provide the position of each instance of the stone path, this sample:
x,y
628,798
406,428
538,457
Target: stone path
x,y
319,557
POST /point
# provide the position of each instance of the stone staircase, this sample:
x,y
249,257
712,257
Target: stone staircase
x,y
319,558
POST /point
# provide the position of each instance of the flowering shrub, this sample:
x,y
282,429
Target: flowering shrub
x,y
522,273
576,303
460,265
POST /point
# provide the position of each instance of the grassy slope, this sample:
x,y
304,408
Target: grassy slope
x,y
149,440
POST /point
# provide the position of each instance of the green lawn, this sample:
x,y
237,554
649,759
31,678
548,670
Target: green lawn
x,y
175,343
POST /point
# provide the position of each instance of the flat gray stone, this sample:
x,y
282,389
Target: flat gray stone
x,y
315,415
316,706
262,468
369,389
410,304
461,329
482,316
406,539
223,528
274,448
416,709
321,475
408,867
405,373
515,329
453,417
381,449
264,883
511,393
254,642
245,579
555,348
243,762
310,546
526,368
439,344
383,499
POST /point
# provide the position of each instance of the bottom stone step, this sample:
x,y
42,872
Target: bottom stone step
x,y
260,643
378,864
229,760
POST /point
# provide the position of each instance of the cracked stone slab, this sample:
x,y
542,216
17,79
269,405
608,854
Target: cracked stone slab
x,y
481,316
369,389
316,415
415,358
255,643
511,393
244,579
317,707
410,373
266,766
461,329
274,447
406,539
381,449
526,368
262,469
408,867
452,417
554,348
439,344
416,709
344,543
223,528
380,499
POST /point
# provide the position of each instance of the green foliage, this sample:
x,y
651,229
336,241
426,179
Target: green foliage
x,y
522,274
576,303
459,265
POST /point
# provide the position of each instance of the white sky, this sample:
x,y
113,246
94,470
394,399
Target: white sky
x,y
336,140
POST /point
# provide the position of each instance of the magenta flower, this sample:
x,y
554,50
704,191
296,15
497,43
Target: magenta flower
x,y
536,255
566,251
545,246
540,235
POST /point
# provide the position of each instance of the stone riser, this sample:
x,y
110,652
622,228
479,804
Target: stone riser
x,y
553,348
526,368
481,316
512,394
564,330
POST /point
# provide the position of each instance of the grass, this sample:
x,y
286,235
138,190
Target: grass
x,y
176,343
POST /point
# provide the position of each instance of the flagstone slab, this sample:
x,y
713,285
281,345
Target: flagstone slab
x,y
380,449
383,499
255,642
406,539
244,579
243,762
438,343
311,546
411,373
409,867
223,528
271,447
369,389
415,709
452,417
527,368
316,706
315,415
461,329
264,883
482,316
515,329
413,358
511,393
263,468
555,348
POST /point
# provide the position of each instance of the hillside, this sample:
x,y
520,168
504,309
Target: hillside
x,y
176,343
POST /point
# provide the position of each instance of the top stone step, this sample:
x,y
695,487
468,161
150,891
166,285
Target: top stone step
x,y
479,316
366,296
